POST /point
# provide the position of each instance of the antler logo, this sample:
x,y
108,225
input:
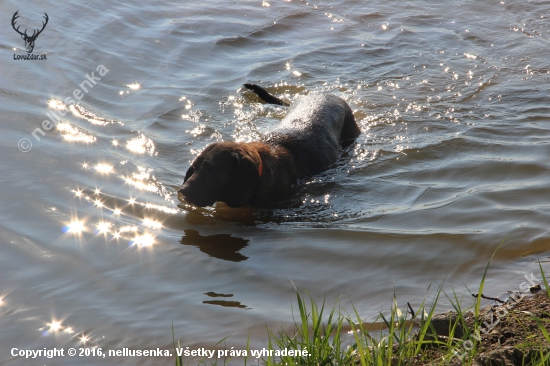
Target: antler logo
x,y
29,40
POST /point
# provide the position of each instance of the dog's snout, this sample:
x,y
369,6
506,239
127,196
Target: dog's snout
x,y
183,190
190,195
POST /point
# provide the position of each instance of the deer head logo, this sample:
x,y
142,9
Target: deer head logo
x,y
29,40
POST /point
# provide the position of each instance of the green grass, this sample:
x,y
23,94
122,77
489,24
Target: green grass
x,y
324,339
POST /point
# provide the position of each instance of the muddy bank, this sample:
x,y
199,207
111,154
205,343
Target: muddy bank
x,y
508,333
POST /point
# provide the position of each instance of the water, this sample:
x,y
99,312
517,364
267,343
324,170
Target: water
x,y
97,250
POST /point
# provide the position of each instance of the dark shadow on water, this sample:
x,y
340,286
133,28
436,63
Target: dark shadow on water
x,y
229,304
222,246
213,294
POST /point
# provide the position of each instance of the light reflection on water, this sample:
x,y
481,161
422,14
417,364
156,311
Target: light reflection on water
x,y
146,239
453,155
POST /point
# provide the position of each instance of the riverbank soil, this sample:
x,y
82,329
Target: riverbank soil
x,y
512,333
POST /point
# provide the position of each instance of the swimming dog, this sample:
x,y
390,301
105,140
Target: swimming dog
x,y
306,142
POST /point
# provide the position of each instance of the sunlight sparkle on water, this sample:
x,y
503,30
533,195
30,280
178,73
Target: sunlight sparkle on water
x,y
116,211
103,227
72,133
140,145
125,229
134,86
140,185
98,203
161,208
152,223
69,330
145,240
56,105
103,168
76,227
55,325
115,143
80,112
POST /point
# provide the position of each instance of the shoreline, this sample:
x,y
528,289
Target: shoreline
x,y
507,333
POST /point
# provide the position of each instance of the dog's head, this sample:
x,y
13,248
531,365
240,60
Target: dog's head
x,y
225,171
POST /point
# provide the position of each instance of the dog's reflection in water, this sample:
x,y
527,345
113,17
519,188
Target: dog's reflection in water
x,y
222,246
227,304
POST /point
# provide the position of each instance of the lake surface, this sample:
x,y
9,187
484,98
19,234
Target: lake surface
x,y
97,249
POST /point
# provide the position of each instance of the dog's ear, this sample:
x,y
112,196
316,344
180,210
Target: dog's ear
x,y
243,186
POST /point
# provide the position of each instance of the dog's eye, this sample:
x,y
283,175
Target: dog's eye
x,y
208,167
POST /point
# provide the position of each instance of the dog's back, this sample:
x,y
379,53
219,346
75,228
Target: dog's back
x,y
315,128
